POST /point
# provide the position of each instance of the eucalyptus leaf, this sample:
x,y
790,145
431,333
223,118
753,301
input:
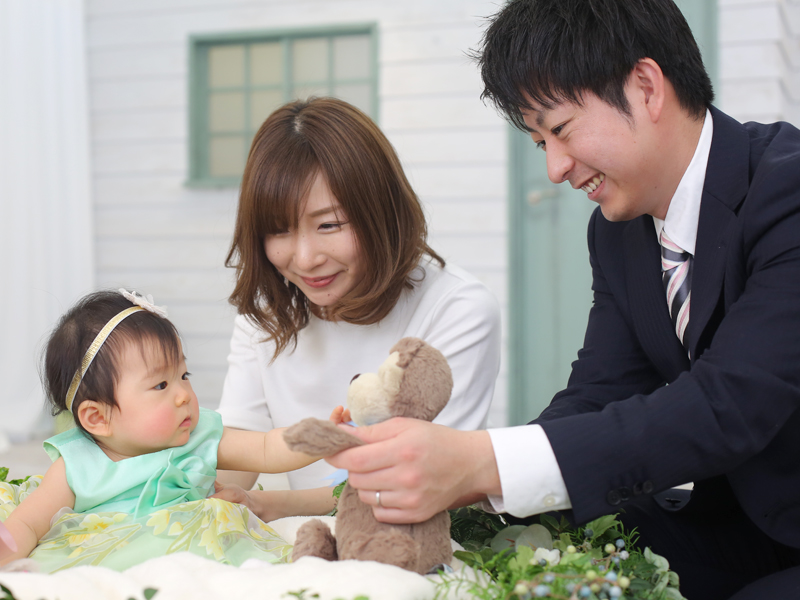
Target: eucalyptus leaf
x,y
506,538
661,584
659,562
672,594
535,536
522,560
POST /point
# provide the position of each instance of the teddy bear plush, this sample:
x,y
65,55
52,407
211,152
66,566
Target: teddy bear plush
x,y
414,381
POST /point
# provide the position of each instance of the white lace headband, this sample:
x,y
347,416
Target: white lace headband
x,y
140,303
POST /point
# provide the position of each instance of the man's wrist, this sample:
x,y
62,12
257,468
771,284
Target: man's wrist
x,y
486,477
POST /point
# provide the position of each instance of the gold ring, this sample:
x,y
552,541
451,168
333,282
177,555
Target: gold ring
x,y
378,500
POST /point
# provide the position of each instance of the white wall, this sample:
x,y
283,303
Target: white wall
x,y
760,59
156,235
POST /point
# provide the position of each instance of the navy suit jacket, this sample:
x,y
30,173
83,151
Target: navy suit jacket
x,y
638,416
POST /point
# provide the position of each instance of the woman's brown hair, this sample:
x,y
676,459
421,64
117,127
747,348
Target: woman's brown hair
x,y
295,143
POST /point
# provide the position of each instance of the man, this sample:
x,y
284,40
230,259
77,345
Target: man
x,y
690,370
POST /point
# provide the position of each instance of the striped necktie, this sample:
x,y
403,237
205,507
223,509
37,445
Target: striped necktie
x,y
676,266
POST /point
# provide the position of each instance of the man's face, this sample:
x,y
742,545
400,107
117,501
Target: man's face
x,y
613,157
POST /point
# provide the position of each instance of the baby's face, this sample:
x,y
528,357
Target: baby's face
x,y
157,406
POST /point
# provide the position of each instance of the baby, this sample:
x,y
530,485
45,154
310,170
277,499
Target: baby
x,y
141,442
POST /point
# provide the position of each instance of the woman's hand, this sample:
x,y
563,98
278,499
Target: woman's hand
x,y
233,493
269,505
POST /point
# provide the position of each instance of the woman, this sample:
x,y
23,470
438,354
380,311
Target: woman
x,y
333,268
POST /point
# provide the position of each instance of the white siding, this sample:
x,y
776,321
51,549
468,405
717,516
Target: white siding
x,y
760,59
156,235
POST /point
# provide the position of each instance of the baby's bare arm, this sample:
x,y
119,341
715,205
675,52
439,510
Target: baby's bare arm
x,y
265,452
260,452
31,519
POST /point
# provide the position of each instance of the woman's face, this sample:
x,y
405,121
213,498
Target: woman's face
x,y
321,256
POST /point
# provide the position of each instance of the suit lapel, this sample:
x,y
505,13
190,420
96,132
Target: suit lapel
x,y
648,303
726,185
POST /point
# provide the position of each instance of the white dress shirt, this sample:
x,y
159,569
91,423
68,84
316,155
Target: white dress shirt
x,y
530,477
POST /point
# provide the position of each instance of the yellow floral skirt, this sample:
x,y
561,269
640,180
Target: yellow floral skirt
x,y
211,528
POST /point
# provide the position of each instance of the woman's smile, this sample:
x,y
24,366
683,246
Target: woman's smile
x,y
319,282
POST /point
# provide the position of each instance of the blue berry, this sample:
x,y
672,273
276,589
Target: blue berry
x,y
585,591
624,555
541,590
588,532
570,587
615,592
611,576
549,578
542,562
601,568
615,560
620,543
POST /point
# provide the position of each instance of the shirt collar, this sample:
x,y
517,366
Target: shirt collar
x,y
683,213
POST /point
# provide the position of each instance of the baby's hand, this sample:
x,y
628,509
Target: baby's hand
x,y
7,543
340,415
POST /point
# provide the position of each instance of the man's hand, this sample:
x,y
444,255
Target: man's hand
x,y
419,468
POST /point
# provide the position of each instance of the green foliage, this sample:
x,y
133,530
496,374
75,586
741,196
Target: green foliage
x,y
305,595
472,528
337,493
7,595
4,474
552,559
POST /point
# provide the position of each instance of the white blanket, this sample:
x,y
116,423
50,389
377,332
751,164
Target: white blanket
x,y
191,577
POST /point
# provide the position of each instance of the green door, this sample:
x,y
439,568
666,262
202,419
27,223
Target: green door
x,y
549,274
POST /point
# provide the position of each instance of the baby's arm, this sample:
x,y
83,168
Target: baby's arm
x,y
31,519
261,452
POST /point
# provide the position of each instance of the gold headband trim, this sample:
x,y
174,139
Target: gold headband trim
x,y
95,346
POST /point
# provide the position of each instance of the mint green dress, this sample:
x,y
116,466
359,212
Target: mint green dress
x,y
141,484
146,506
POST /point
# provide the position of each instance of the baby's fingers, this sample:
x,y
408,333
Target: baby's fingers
x,y
336,415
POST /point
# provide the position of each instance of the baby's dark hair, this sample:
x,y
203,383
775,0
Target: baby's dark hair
x,y
76,331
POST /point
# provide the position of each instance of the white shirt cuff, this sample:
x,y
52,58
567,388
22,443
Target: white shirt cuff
x,y
529,474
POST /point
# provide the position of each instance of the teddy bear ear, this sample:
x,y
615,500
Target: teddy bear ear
x,y
407,348
427,382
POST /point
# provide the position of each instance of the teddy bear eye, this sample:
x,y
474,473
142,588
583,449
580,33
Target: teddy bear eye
x,y
356,376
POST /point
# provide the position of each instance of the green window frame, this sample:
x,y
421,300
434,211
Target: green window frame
x,y
237,79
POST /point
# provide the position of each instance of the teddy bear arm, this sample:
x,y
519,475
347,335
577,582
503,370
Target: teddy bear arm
x,y
318,438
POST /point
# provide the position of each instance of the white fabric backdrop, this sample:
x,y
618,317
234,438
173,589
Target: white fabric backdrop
x,y
46,232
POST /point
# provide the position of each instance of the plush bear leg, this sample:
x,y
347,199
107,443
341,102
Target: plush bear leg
x,y
314,538
391,547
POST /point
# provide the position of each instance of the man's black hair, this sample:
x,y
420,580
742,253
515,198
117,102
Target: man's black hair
x,y
549,51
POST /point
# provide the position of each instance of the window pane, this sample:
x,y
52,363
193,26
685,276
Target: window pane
x,y
226,111
226,156
359,95
302,92
351,57
310,60
266,64
226,66
262,104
